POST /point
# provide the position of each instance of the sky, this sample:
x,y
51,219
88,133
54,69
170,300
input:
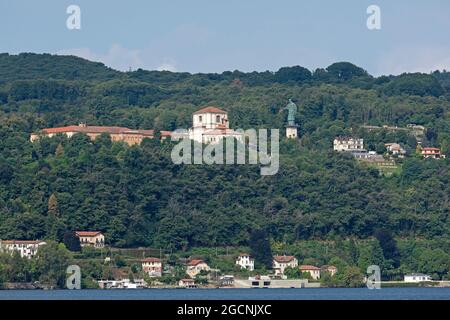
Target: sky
x,y
246,35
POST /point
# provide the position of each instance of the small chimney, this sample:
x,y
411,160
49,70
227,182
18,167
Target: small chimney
x,y
82,125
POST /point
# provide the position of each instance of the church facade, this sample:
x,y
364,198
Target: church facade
x,y
210,125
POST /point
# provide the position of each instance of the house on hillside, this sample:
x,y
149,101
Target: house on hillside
x,y
348,144
26,248
245,261
433,153
312,270
330,269
395,149
94,239
152,266
280,263
194,267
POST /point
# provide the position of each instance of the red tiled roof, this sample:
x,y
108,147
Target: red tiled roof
x,y
244,254
209,110
283,259
431,149
98,129
21,241
87,233
151,259
166,133
308,267
195,262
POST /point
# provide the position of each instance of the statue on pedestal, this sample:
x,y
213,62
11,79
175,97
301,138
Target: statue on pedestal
x,y
291,128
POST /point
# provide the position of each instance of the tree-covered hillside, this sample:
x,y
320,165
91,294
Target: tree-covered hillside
x,y
138,197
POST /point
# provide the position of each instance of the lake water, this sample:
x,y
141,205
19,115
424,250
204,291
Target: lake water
x,y
232,294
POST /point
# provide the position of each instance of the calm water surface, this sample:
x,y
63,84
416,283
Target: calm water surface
x,y
232,294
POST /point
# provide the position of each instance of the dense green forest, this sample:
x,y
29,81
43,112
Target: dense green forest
x,y
139,198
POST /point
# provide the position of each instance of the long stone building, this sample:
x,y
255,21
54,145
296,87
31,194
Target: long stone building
x,y
129,136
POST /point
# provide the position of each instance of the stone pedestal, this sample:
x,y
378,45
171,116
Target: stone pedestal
x,y
291,132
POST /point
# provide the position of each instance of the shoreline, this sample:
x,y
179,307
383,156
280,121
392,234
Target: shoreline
x,y
383,286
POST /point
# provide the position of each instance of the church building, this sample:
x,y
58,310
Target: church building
x,y
210,125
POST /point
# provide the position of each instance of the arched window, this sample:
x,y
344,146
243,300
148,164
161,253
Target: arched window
x,y
217,119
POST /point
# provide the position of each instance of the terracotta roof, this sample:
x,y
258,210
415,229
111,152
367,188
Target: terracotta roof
x,y
308,267
87,233
195,262
187,280
283,259
431,149
325,266
165,133
209,110
151,259
98,129
21,241
244,254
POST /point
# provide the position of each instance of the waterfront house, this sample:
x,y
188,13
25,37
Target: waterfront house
x,y
280,263
226,281
122,284
194,267
312,270
416,277
152,266
245,261
187,283
330,269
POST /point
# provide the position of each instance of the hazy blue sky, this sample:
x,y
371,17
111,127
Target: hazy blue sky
x,y
214,36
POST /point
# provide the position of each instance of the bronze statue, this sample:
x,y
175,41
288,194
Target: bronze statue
x,y
292,110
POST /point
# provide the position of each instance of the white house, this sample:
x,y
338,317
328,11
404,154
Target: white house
x,y
210,125
395,149
348,144
416,277
26,248
280,263
194,267
245,261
